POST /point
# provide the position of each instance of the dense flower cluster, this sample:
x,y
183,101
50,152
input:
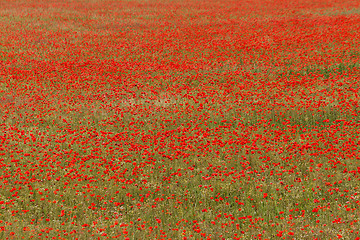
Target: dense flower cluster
x,y
179,119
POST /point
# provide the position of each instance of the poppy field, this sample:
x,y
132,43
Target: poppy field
x,y
159,119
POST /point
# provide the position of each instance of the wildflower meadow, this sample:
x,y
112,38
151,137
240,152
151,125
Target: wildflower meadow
x,y
173,119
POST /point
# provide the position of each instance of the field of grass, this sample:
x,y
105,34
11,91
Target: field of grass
x,y
193,119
